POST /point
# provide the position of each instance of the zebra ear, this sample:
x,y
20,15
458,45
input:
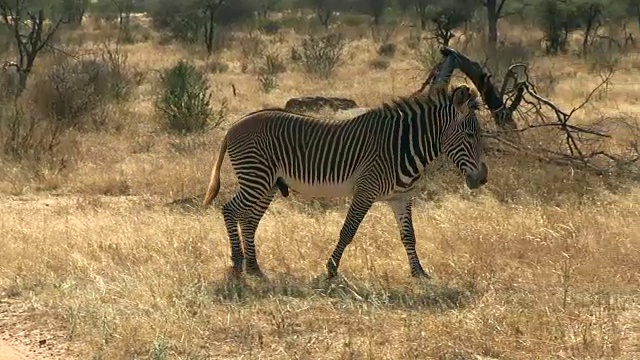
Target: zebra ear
x,y
465,99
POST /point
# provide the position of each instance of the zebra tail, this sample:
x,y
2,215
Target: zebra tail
x,y
214,182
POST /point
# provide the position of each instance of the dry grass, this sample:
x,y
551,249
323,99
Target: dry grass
x,y
542,263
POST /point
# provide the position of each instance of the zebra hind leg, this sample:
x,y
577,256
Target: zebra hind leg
x,y
249,225
231,211
359,207
402,212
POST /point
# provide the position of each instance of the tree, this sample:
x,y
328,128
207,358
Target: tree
x,y
182,20
73,11
124,8
422,9
558,20
589,13
324,9
373,8
26,21
634,8
496,10
264,7
448,16
115,9
198,20
210,8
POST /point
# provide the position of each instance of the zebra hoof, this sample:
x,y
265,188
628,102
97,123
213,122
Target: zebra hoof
x,y
421,274
332,270
234,273
332,276
255,271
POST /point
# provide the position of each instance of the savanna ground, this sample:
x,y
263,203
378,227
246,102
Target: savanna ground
x,y
540,263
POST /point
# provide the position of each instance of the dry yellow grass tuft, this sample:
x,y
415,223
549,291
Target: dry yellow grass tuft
x,y
541,263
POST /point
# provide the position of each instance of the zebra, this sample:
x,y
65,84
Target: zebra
x,y
376,156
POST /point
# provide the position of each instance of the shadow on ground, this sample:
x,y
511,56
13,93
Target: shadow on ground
x,y
341,291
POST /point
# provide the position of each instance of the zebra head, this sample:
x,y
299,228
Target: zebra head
x,y
461,139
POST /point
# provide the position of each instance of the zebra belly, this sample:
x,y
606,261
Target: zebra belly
x,y
319,190
398,195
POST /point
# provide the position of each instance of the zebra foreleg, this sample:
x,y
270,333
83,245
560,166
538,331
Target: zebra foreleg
x,y
249,224
357,211
402,212
283,187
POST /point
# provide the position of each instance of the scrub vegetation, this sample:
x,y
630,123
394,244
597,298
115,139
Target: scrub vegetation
x,y
111,118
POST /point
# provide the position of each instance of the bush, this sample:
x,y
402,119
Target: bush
x,y
319,55
270,27
28,137
8,83
181,21
379,64
252,46
268,82
558,20
216,66
120,80
186,20
73,93
353,20
268,71
184,103
76,93
273,64
427,54
388,50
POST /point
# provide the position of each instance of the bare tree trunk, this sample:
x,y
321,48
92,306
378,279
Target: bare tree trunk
x,y
585,41
22,82
492,18
208,36
209,27
324,16
30,44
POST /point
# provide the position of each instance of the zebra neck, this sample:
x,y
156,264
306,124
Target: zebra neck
x,y
418,143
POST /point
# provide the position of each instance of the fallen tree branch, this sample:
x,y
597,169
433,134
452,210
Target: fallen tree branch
x,y
452,59
585,146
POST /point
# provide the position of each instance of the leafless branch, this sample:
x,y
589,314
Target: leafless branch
x,y
29,42
586,146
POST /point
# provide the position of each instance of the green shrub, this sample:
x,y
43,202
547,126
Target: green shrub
x,y
121,79
320,55
184,103
268,71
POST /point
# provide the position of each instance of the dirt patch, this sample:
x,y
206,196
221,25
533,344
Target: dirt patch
x,y
13,352
21,340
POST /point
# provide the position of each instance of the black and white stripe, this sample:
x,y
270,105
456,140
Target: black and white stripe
x,y
376,156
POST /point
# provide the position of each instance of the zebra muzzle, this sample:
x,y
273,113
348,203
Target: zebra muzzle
x,y
477,179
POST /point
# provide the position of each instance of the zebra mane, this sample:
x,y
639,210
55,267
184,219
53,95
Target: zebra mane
x,y
432,98
275,108
399,103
